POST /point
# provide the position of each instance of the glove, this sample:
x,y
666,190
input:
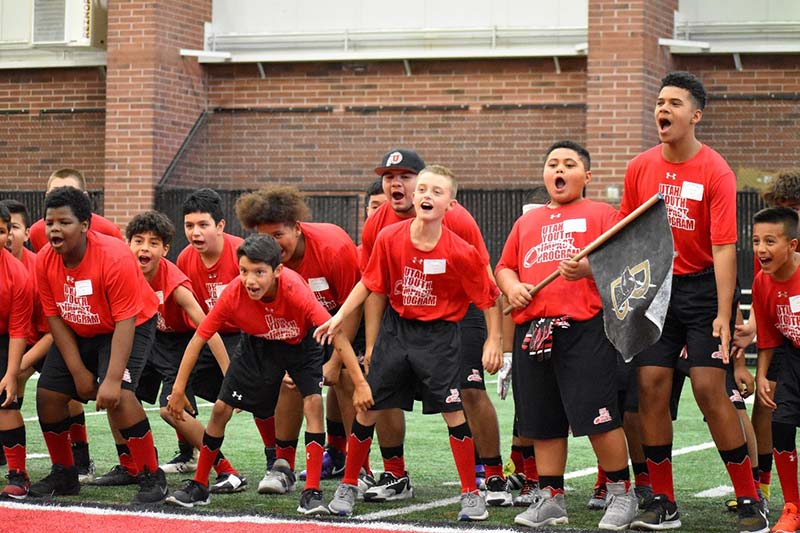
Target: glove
x,y
504,376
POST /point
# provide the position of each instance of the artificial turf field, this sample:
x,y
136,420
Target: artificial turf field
x,y
697,467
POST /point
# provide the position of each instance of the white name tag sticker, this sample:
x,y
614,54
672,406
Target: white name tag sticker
x,y
434,266
794,303
83,287
318,284
160,295
575,225
692,191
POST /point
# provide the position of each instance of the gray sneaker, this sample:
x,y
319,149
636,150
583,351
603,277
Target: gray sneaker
x,y
279,480
621,509
343,500
473,507
525,496
546,510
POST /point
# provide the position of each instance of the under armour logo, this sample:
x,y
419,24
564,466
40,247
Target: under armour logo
x,y
416,260
556,215
783,294
212,276
672,175
237,395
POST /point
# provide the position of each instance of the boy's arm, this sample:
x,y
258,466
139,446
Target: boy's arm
x,y
37,352
327,331
362,395
744,334
725,273
374,307
16,347
762,383
108,393
186,300
177,401
493,347
64,338
332,369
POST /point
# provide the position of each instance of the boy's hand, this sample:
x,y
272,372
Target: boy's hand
x,y
331,372
744,380
177,402
327,331
519,296
721,329
108,395
492,356
504,377
86,385
743,336
362,397
9,385
763,393
574,270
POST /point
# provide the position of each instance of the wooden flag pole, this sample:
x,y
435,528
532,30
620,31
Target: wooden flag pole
x,y
595,244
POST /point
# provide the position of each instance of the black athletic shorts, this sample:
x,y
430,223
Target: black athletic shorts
x,y
576,387
787,393
412,356
95,352
778,354
207,376
162,368
628,383
254,377
732,389
473,336
16,404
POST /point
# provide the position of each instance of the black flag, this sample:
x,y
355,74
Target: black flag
x,y
633,272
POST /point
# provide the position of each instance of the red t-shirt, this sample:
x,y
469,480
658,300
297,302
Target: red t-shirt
x,y
105,288
456,219
426,286
330,263
38,235
16,297
287,318
700,196
539,241
777,306
39,325
171,316
209,282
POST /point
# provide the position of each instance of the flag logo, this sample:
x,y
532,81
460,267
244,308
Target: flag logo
x,y
633,284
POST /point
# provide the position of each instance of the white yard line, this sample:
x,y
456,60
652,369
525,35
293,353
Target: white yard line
x,y
716,492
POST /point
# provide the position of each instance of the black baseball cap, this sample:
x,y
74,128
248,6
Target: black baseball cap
x,y
400,159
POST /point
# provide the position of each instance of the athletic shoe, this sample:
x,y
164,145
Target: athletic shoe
x,y
480,476
390,488
515,481
789,521
644,493
270,455
62,481
526,495
546,510
190,495
659,514
497,494
184,461
332,464
344,499
599,499
152,487
365,481
86,473
311,502
765,490
752,518
18,485
85,466
228,483
621,509
279,480
116,477
473,508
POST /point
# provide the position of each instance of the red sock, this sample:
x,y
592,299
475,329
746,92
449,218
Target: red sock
x,y
286,450
740,470
365,465
208,456
314,451
786,465
396,465
494,470
266,427
357,455
338,441
143,451
463,449
601,477
59,447
15,457
126,460
518,460
77,428
531,473
224,466
659,464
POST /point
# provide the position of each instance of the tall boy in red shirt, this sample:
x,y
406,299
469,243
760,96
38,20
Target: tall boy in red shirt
x,y
101,313
699,190
430,276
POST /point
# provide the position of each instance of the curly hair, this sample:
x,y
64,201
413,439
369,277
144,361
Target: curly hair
x,y
270,205
154,222
785,187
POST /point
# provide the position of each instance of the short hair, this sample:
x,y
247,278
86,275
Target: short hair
x,y
76,200
785,187
5,215
688,81
779,215
442,171
376,187
68,173
260,249
271,205
154,222
15,207
582,152
204,201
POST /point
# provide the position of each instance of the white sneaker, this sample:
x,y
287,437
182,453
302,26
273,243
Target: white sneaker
x,y
279,480
621,509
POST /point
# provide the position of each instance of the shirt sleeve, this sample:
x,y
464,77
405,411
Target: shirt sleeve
x,y
510,254
217,317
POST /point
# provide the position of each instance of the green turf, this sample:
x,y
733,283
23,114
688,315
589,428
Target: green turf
x,y
429,460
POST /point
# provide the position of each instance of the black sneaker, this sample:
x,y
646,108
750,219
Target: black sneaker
x,y
84,464
118,476
270,455
3,460
337,462
62,481
752,518
185,460
192,494
390,488
152,487
311,502
659,514
497,493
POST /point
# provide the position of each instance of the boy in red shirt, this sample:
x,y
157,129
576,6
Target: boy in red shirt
x,y
699,190
326,257
561,380
101,313
776,292
16,310
275,310
430,276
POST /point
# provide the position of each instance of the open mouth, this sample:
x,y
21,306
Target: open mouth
x,y
254,292
560,184
198,244
397,196
765,261
144,260
664,124
56,241
426,206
